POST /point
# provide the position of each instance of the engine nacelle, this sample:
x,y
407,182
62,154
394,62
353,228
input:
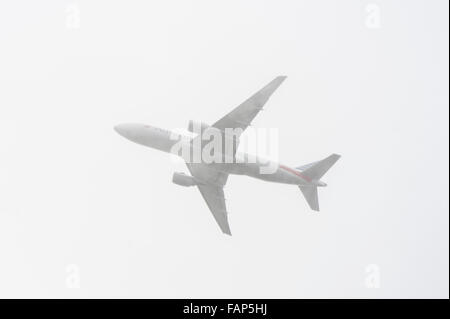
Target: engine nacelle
x,y
183,180
197,125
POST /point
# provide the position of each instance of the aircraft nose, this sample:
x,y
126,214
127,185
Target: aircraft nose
x,y
121,129
126,130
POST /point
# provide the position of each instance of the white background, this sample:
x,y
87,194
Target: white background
x,y
86,213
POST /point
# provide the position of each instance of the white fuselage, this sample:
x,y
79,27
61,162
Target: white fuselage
x,y
243,164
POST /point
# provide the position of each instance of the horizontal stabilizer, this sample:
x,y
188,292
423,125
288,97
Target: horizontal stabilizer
x,y
310,193
315,171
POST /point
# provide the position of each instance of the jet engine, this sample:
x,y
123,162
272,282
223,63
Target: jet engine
x,y
183,180
197,125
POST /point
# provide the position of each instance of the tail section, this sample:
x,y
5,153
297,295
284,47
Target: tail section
x,y
315,171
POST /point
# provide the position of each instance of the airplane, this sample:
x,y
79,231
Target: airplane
x,y
211,176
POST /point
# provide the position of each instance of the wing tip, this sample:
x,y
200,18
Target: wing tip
x,y
337,156
226,231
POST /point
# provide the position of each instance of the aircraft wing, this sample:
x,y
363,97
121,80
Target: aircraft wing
x,y
242,116
212,191
239,119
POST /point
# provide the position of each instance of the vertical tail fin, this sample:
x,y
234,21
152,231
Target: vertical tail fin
x,y
315,171
310,193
